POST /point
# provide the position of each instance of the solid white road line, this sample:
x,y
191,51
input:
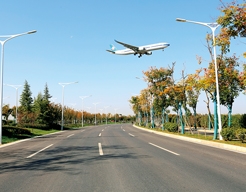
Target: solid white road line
x,y
39,151
100,149
131,134
100,134
164,149
70,135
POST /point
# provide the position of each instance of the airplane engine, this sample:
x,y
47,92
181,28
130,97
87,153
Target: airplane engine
x,y
148,53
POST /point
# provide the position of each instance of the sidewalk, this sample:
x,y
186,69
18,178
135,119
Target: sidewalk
x,y
237,149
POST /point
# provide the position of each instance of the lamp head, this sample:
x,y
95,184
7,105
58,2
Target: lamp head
x,y
180,20
30,32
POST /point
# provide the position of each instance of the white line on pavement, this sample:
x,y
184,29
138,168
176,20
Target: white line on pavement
x,y
100,149
131,134
39,151
70,135
100,134
164,149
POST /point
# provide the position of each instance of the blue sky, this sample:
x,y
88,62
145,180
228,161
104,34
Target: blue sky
x,y
72,37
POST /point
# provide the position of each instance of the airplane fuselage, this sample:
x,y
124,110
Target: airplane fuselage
x,y
142,50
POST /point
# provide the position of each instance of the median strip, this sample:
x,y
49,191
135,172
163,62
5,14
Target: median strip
x,y
100,149
39,151
164,149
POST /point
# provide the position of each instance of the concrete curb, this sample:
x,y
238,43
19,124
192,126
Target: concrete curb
x,y
228,147
19,141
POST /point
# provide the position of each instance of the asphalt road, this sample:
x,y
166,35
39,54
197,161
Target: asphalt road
x,y
118,158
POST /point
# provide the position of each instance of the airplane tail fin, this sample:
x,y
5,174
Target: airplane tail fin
x,y
112,49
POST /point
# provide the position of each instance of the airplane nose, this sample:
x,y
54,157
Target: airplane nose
x,y
168,44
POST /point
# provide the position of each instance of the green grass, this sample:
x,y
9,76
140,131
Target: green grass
x,y
6,139
34,132
38,132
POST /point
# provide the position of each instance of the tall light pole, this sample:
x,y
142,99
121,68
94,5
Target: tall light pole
x,y
63,85
7,38
106,114
95,112
83,97
213,27
16,104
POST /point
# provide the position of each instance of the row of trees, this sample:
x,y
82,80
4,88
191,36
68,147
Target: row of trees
x,y
164,93
42,111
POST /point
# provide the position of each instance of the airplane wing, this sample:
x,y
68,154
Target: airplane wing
x,y
134,48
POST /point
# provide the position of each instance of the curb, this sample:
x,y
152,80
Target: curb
x,y
228,147
22,140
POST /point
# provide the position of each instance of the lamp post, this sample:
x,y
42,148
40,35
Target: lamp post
x,y
95,112
106,114
83,97
213,27
63,85
16,87
7,38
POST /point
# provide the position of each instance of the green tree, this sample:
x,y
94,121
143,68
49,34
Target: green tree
x,y
233,22
26,102
47,95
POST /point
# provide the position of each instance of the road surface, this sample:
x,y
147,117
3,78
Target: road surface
x,y
118,158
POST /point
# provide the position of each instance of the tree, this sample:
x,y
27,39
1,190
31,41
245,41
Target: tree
x,y
158,80
46,96
26,101
230,84
233,22
193,89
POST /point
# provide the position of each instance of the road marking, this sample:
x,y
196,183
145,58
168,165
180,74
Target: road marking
x,y
164,149
100,134
123,129
70,135
131,134
103,130
39,151
100,149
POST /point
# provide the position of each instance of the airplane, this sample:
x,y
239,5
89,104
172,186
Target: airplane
x,y
142,50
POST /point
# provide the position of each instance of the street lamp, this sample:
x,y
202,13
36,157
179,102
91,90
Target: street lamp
x,y
106,113
95,112
83,97
213,27
16,87
7,38
63,85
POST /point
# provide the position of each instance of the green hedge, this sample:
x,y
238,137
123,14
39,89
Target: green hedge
x,y
15,131
229,134
171,127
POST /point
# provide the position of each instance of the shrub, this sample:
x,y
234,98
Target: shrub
x,y
240,134
243,121
228,134
171,127
13,131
